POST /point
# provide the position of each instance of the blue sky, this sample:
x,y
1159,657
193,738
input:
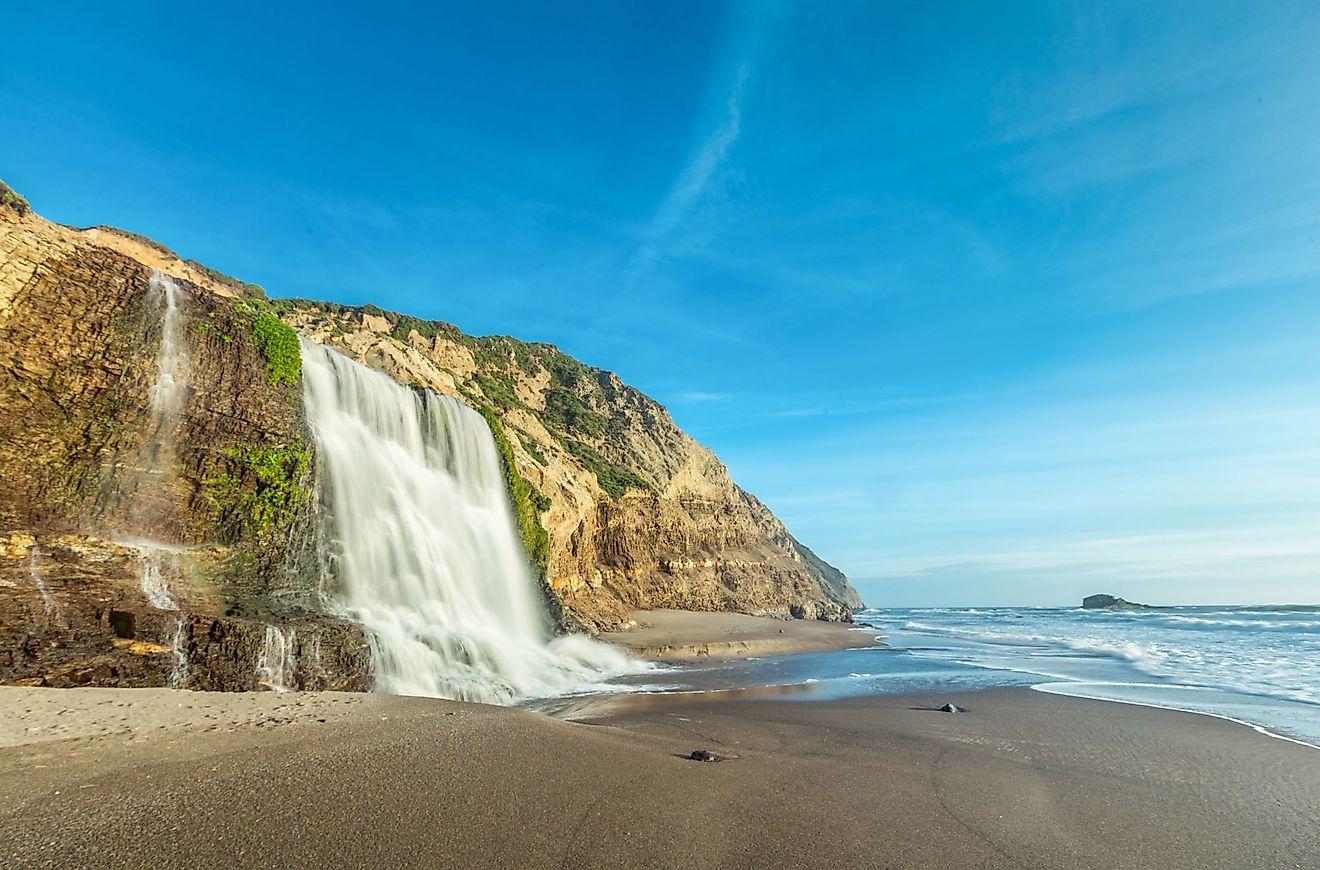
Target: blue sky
x,y
992,303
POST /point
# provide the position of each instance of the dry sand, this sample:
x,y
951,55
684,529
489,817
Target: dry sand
x,y
1020,780
681,635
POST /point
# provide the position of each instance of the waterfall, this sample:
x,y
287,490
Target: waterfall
x,y
179,673
428,556
48,601
156,459
171,363
155,468
152,582
276,663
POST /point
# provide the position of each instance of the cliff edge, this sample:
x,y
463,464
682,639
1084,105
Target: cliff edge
x,y
619,508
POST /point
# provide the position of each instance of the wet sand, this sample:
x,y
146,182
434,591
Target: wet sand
x,y
1020,779
683,635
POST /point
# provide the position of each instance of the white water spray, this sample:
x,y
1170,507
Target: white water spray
x,y
429,559
47,600
179,674
171,362
276,664
167,396
153,582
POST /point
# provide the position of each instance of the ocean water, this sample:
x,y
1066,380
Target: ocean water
x,y
1259,664
1255,665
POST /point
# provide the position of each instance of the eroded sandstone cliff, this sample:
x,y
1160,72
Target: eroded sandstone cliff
x,y
639,514
95,493
619,508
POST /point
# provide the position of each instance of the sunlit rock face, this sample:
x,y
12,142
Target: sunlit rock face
x,y
640,515
144,410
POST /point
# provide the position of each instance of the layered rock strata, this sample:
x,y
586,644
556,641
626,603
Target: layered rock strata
x,y
619,508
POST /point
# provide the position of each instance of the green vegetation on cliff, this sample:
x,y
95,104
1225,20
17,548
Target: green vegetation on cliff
x,y
528,502
276,340
583,408
265,486
13,199
614,478
242,288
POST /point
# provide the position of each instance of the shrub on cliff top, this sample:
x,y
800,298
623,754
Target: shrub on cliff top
x,y
13,199
279,344
242,288
614,478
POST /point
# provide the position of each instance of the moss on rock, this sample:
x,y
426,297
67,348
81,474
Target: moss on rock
x,y
265,486
277,341
528,502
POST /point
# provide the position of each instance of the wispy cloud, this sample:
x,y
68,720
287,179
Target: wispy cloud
x,y
698,397
693,185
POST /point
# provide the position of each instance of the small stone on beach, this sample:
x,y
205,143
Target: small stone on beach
x,y
703,755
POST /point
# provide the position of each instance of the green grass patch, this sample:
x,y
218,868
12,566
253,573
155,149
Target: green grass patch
x,y
498,389
614,478
527,501
277,341
242,288
279,344
567,414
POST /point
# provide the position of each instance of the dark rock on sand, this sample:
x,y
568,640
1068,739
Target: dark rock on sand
x,y
703,755
1110,602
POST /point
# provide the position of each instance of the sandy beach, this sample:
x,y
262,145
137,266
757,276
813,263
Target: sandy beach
x,y
682,635
132,778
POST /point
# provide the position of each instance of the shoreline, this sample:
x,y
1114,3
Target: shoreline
x,y
675,636
1259,729
1021,777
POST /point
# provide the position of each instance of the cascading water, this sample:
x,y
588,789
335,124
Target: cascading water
x,y
157,461
429,559
179,673
276,664
48,601
171,362
153,583
158,452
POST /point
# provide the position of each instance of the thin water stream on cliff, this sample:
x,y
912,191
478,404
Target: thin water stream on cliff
x,y
428,555
47,600
158,458
277,662
158,452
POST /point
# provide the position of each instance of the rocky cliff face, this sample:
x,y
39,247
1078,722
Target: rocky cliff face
x,y
221,488
619,507
639,514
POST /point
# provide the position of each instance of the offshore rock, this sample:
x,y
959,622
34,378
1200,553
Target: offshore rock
x,y
1109,602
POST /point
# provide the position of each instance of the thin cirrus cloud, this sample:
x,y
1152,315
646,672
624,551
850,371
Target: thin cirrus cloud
x,y
694,183
698,397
